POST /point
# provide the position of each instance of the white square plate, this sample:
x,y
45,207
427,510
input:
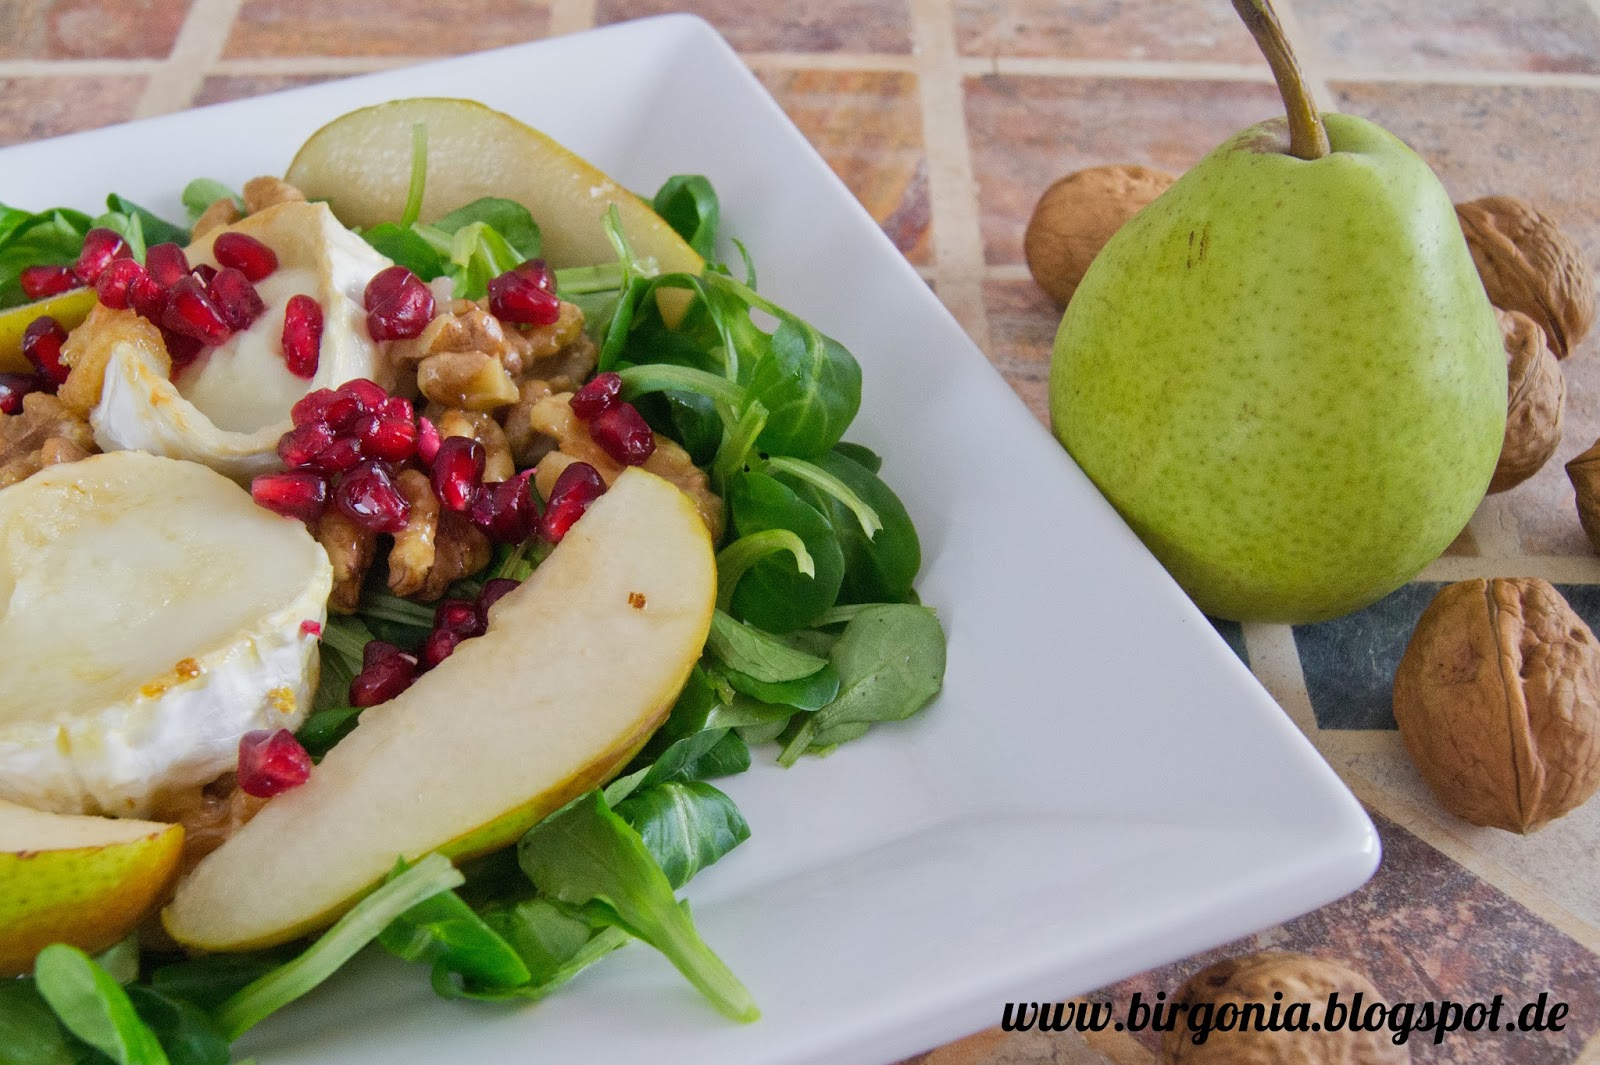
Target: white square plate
x,y
1101,787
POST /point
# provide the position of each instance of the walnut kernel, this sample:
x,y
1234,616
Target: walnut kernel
x,y
1077,215
1535,394
1498,702
259,193
1528,264
471,380
45,433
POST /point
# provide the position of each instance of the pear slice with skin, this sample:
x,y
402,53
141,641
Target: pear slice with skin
x,y
66,878
578,667
69,308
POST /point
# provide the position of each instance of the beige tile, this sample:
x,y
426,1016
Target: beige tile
x,y
1196,30
219,88
1403,35
34,108
89,29
815,26
383,27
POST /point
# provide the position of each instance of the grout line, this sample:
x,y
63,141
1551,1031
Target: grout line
x,y
1487,79
268,66
1494,529
1557,569
845,61
1275,660
1007,272
1045,66
1426,827
74,68
570,16
952,187
205,32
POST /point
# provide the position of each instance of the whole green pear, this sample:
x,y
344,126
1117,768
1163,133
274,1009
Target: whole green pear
x,y
1285,375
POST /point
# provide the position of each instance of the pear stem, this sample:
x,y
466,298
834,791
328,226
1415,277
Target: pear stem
x,y
1308,138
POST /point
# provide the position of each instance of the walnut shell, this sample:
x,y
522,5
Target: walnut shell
x,y
1498,701
1584,472
1535,394
1078,214
1301,978
1528,264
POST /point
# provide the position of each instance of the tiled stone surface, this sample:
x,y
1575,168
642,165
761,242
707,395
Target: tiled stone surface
x,y
1022,328
1028,131
1205,30
868,126
89,29
1349,663
383,27
1535,35
34,108
817,26
223,87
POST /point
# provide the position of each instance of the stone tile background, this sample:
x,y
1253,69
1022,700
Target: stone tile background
x,y
948,118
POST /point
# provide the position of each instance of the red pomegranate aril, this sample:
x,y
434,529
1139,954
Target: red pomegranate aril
x,y
166,263
100,246
439,645
182,350
390,439
458,471
115,281
311,628
428,440
375,651
398,408
369,394
623,434
459,616
236,298
271,763
302,335
204,273
368,497
301,445
598,396
341,455
42,282
578,486
516,296
13,386
299,494
504,509
494,590
313,406
190,312
540,272
147,298
399,305
246,254
41,345
383,680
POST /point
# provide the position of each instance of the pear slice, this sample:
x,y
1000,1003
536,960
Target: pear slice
x,y
69,308
578,667
66,878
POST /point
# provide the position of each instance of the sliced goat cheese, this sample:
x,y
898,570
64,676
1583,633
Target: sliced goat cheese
x,y
151,614
230,407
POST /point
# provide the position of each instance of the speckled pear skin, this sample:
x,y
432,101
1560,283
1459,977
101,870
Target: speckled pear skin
x,y
1286,376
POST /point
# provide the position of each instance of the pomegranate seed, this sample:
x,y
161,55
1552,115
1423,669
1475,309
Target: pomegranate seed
x,y
302,445
458,471
182,350
246,254
236,298
41,344
578,486
42,282
390,439
299,494
427,440
494,590
517,296
341,455
598,396
166,263
311,628
13,386
399,306
368,497
302,335
504,510
100,246
459,616
203,273
271,763
398,408
191,313
541,273
383,679
376,651
439,645
115,281
147,297
623,434
369,394
313,407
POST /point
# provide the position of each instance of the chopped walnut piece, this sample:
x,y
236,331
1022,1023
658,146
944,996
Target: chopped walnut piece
x,y
411,558
47,432
460,550
543,341
553,417
88,350
210,815
465,326
528,444
569,367
476,425
350,548
222,212
262,192
470,380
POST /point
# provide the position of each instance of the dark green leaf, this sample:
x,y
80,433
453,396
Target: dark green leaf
x,y
686,826
94,1007
773,594
49,238
554,941
407,248
703,756
186,1032
444,932
811,387
323,729
209,980
879,569
29,1031
759,654
688,204
807,693
156,230
861,455
506,217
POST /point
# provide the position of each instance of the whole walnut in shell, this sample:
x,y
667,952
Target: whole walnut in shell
x,y
1301,978
1535,394
1528,264
1498,701
1584,472
1078,214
